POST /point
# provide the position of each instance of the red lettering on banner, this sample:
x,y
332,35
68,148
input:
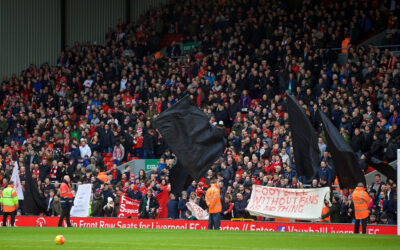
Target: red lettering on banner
x,y
314,200
274,201
128,207
302,200
263,190
258,200
272,191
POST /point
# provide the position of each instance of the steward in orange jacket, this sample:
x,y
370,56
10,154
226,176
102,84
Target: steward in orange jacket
x,y
325,213
360,200
67,201
213,200
9,203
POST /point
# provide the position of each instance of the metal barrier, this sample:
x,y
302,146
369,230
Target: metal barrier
x,y
242,219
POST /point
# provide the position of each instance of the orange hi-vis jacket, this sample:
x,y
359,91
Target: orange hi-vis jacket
x,y
9,200
325,210
345,44
213,200
361,200
66,191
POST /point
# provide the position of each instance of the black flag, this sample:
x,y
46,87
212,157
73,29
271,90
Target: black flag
x,y
344,159
188,133
383,167
306,151
180,180
33,202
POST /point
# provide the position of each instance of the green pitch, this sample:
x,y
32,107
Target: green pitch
x,y
82,238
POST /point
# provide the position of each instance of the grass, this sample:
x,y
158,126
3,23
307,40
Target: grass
x,y
93,238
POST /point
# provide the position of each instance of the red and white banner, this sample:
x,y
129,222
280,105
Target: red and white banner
x,y
27,221
197,211
162,199
305,204
128,207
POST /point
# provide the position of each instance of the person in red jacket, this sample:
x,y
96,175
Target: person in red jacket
x,y
227,207
66,197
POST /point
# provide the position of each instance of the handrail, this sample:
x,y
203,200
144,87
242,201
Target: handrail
x,y
387,46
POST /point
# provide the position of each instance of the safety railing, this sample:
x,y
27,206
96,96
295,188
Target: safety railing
x,y
242,219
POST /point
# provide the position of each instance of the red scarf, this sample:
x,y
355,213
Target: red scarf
x,y
53,172
65,149
114,174
35,172
117,152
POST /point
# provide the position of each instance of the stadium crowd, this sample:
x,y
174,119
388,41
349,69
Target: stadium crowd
x,y
100,100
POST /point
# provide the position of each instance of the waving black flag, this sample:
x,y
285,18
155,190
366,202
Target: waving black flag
x,y
306,151
344,159
194,141
383,167
33,202
179,178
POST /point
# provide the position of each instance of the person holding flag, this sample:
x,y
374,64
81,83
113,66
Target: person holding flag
x,y
9,203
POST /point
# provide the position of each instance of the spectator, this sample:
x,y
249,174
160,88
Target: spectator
x,y
118,153
321,146
192,188
84,149
325,172
189,216
56,207
115,174
385,220
227,208
134,193
333,211
109,208
49,199
148,144
172,205
377,185
148,208
97,205
240,206
182,204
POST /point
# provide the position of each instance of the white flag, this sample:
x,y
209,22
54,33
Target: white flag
x,y
82,201
17,182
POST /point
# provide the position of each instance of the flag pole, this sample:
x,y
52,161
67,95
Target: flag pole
x,y
398,182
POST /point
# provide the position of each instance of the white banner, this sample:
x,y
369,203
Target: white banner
x,y
82,201
197,211
305,204
17,182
